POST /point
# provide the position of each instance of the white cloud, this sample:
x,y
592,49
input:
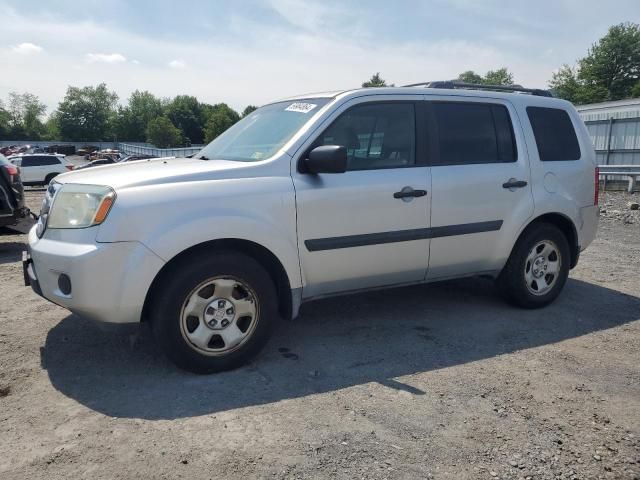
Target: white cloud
x,y
177,64
27,48
316,45
308,15
105,58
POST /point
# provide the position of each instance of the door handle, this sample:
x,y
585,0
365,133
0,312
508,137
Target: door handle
x,y
513,184
408,192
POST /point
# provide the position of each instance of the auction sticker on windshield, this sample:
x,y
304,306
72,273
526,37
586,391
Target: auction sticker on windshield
x,y
301,107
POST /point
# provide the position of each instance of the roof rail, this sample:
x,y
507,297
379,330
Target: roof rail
x,y
452,84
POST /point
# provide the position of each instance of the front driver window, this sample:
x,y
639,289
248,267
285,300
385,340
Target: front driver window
x,y
376,136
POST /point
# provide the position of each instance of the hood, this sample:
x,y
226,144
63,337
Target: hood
x,y
155,171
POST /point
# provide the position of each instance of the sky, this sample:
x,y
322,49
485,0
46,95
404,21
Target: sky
x,y
255,51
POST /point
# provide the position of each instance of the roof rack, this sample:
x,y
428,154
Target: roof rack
x,y
452,84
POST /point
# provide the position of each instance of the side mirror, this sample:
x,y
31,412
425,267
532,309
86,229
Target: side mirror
x,y
326,159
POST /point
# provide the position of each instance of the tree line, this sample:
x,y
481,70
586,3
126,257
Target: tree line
x,y
609,71
93,114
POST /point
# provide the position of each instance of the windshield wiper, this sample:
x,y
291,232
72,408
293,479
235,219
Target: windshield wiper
x,y
202,157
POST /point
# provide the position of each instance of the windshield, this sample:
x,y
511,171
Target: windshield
x,y
263,132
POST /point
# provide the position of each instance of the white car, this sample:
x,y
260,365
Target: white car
x,y
41,168
321,195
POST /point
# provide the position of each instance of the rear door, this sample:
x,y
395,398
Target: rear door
x,y
480,183
48,164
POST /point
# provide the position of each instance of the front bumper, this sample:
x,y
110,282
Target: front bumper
x,y
109,281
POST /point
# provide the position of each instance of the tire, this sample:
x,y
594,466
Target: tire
x,y
48,178
526,280
195,299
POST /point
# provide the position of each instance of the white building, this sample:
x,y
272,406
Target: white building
x,y
615,130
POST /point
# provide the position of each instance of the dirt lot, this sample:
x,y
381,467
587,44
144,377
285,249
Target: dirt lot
x,y
449,383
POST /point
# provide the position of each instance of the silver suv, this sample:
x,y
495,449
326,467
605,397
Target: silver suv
x,y
320,195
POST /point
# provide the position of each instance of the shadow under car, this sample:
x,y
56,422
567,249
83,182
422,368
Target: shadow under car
x,y
334,344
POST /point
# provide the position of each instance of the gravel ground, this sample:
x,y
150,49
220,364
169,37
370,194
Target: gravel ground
x,y
450,384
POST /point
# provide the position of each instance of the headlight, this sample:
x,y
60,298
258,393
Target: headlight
x,y
80,206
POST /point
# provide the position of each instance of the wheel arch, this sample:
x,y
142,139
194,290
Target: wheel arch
x,y
565,225
261,254
50,176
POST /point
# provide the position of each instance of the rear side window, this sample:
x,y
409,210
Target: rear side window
x,y
49,160
30,162
471,133
39,161
555,137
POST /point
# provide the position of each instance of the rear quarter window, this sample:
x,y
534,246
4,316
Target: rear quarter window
x,y
554,133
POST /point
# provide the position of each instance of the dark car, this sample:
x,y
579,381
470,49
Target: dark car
x,y
97,163
12,209
111,160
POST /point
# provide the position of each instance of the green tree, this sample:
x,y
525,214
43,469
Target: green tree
x,y
565,83
613,63
220,117
635,91
502,76
25,111
610,71
51,128
86,113
222,108
185,112
376,81
4,122
131,120
217,124
248,109
162,133
470,77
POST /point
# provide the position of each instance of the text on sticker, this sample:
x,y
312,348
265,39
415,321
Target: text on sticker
x,y
301,107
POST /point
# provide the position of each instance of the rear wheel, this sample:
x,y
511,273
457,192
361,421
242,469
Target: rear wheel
x,y
214,313
48,178
537,268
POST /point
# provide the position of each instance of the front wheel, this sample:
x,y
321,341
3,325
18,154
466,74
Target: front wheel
x,y
537,268
215,312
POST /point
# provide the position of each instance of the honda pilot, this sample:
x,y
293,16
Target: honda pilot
x,y
320,195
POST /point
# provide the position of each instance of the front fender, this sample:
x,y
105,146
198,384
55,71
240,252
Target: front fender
x,y
179,237
171,219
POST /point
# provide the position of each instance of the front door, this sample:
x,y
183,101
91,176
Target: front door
x,y
480,183
366,227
